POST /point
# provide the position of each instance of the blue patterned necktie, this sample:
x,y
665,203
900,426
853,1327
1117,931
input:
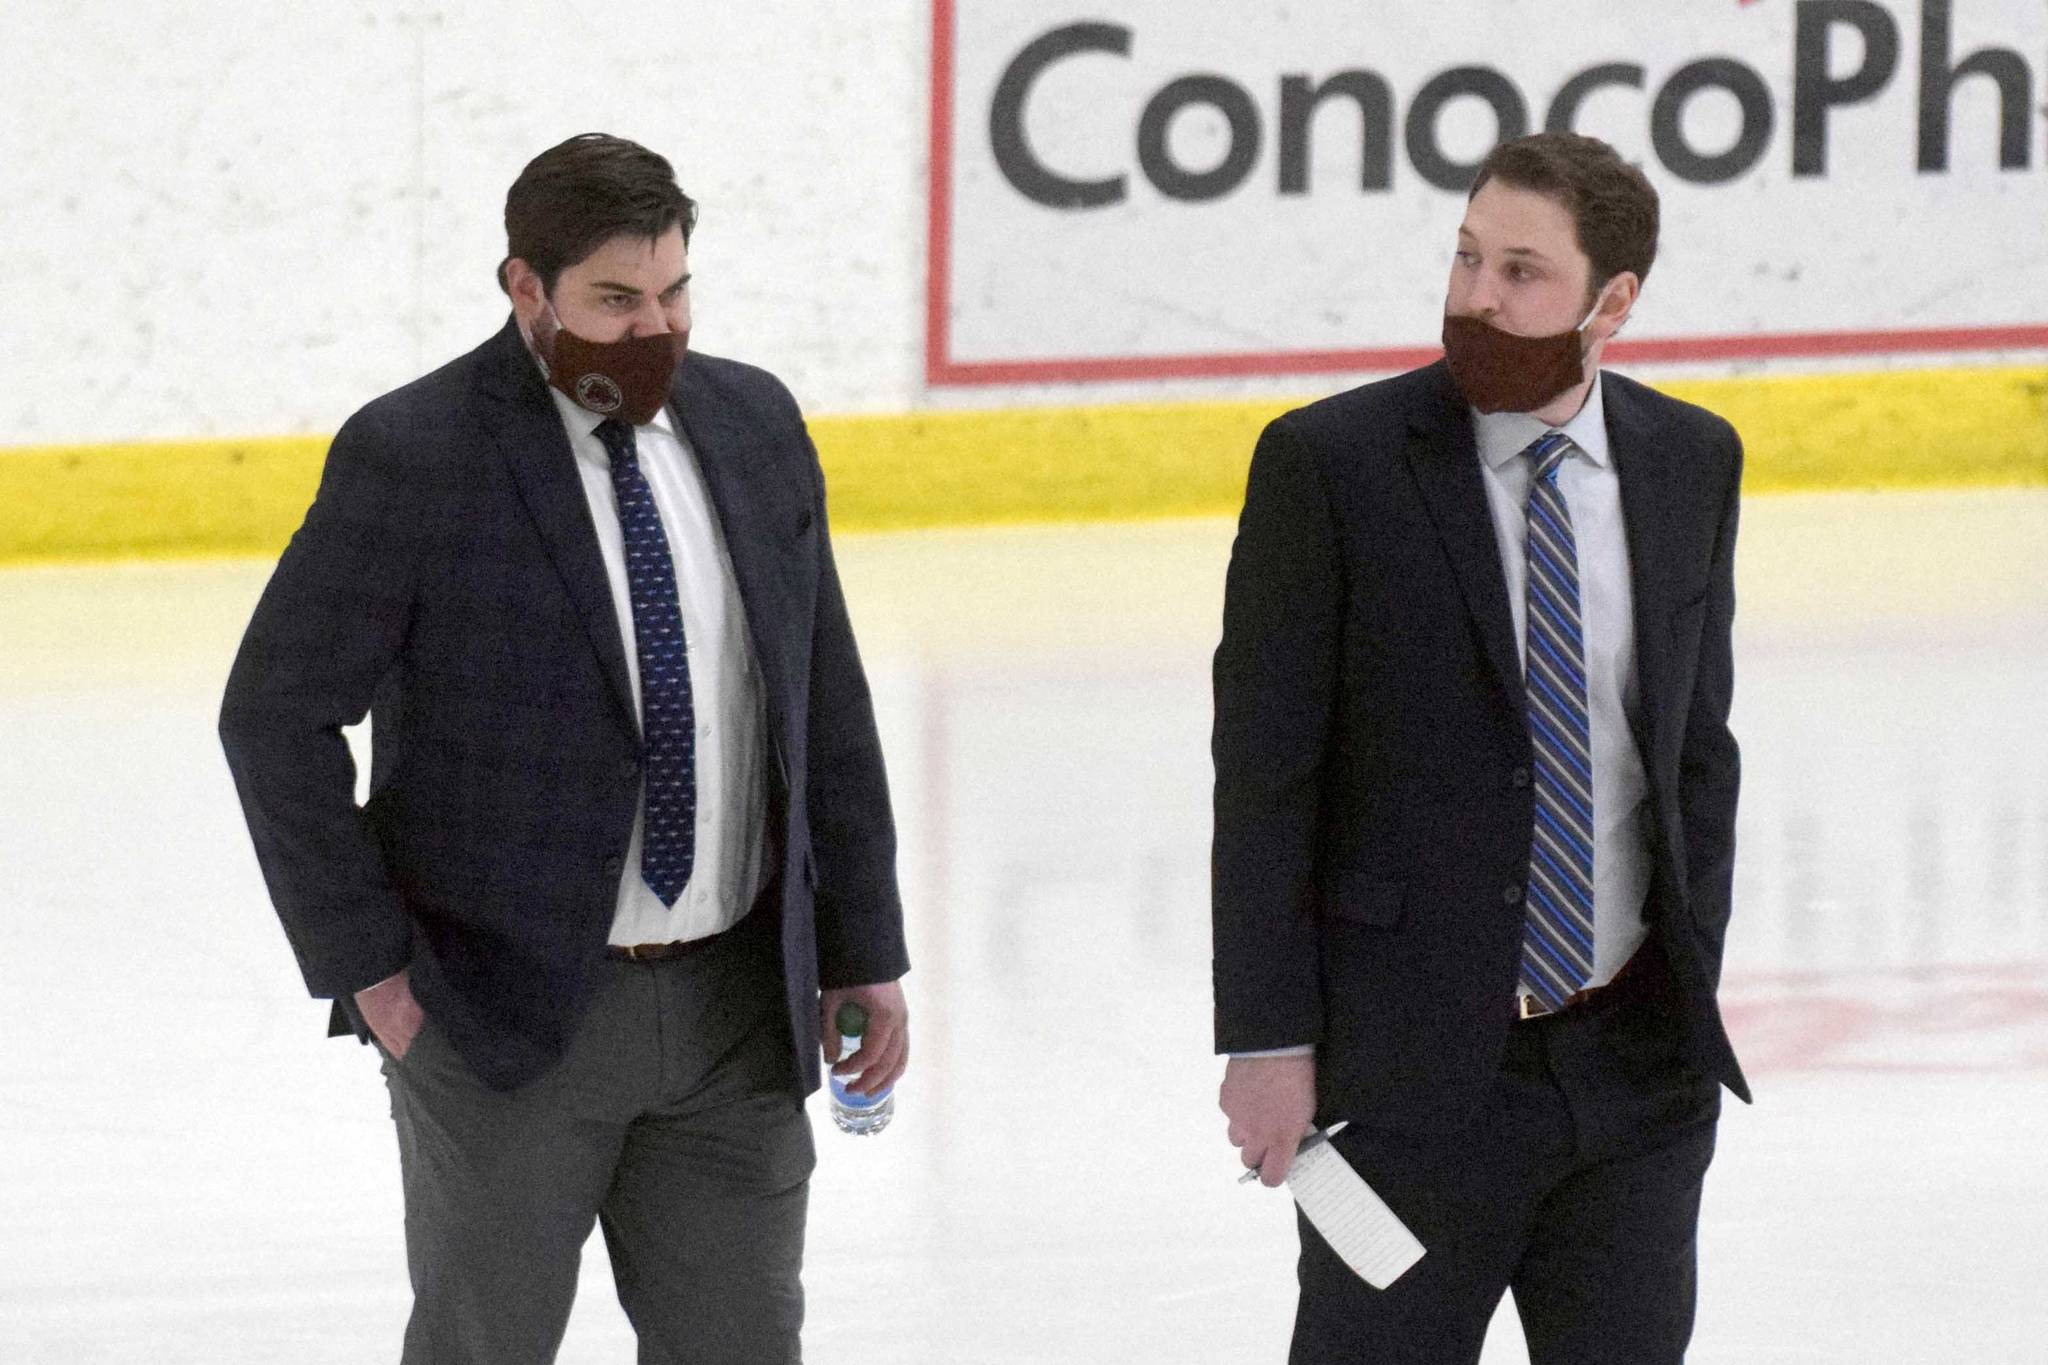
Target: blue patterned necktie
x,y
1557,934
668,726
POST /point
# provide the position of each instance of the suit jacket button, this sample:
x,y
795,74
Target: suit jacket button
x,y
1511,895
614,866
1520,777
630,769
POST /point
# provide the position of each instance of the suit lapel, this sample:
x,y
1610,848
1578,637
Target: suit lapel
x,y
745,514
1445,461
527,429
1646,510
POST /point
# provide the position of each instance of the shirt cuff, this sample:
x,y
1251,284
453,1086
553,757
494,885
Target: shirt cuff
x,y
1298,1050
385,982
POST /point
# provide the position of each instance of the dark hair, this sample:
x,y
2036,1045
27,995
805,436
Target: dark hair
x,y
1613,204
577,195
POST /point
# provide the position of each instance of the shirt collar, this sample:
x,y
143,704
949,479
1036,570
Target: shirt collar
x,y
1501,436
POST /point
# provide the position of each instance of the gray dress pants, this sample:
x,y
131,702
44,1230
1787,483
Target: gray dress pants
x,y
671,1121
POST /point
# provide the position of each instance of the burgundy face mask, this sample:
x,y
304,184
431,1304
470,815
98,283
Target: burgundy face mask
x,y
1500,372
626,379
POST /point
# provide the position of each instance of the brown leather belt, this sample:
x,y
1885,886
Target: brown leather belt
x,y
1529,1007
659,952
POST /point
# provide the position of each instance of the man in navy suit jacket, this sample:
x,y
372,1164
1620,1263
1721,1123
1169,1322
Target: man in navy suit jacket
x,y
1406,852
566,1038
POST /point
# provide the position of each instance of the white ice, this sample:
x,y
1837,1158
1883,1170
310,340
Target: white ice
x,y
189,1172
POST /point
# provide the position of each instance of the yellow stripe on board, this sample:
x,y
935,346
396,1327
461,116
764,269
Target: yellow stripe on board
x,y
1902,429
156,498
1920,428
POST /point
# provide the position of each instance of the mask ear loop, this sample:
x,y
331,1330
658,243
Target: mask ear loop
x,y
1585,349
544,337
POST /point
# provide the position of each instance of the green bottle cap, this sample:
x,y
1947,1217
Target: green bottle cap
x,y
851,1019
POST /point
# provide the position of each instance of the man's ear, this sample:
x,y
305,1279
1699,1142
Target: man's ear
x,y
1617,301
522,283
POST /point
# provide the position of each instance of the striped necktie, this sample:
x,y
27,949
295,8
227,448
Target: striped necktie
x,y
668,727
1557,934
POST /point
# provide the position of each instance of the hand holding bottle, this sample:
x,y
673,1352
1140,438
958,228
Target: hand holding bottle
x,y
862,1090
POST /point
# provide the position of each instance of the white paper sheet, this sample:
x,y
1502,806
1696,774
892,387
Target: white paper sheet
x,y
1354,1220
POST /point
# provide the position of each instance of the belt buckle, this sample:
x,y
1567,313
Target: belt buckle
x,y
1529,1007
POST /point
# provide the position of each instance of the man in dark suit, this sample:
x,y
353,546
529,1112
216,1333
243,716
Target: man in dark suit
x,y
1475,798
628,840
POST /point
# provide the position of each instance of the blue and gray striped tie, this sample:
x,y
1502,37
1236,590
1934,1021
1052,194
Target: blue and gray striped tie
x,y
1557,935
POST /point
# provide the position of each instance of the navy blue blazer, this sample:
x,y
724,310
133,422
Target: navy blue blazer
x,y
1372,802
447,579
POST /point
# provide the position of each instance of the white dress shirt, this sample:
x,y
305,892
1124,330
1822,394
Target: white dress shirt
x,y
1621,859
1592,491
725,682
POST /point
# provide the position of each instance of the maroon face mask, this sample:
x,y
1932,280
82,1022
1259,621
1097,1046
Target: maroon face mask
x,y
1500,372
626,379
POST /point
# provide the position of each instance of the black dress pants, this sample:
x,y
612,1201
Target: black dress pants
x,y
1576,1187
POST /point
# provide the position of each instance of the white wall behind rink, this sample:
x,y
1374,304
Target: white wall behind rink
x,y
222,217
226,218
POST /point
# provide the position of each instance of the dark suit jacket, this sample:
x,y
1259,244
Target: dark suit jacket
x,y
449,573
1373,807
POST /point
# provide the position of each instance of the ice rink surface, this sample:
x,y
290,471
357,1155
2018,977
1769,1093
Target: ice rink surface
x,y
189,1172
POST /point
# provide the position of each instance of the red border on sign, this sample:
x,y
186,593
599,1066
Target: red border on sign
x,y
940,369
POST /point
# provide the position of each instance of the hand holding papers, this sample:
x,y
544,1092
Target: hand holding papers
x,y
1320,1135
1354,1220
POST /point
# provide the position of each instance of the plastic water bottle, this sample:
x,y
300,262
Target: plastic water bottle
x,y
854,1113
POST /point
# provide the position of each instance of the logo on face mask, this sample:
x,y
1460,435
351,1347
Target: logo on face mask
x,y
628,378
598,393
1499,371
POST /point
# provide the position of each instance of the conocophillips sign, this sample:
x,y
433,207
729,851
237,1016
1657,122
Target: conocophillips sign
x,y
1158,188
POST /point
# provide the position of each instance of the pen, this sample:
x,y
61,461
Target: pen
x,y
1319,1136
